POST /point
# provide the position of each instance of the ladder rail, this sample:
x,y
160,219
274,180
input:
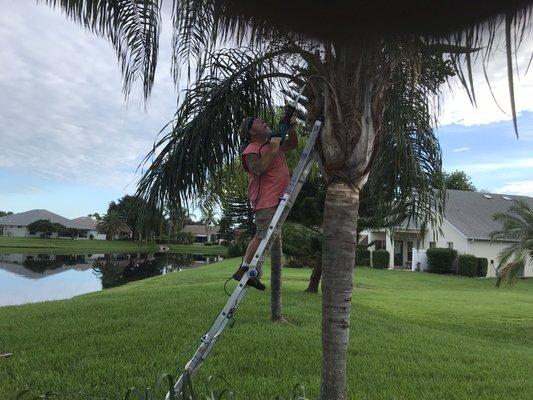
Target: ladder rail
x,y
299,176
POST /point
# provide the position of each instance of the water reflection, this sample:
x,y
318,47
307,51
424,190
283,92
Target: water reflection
x,y
118,269
27,278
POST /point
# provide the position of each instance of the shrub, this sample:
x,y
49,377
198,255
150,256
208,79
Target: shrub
x,y
300,262
235,250
300,241
380,259
362,257
467,265
440,260
91,237
482,267
185,238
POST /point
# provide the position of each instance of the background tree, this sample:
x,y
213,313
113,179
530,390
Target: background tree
x,y
111,224
4,213
45,227
458,180
517,225
142,220
95,215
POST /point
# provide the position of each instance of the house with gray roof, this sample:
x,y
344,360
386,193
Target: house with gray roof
x,y
16,225
466,227
202,233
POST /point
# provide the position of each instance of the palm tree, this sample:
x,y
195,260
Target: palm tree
x,y
517,225
370,73
111,224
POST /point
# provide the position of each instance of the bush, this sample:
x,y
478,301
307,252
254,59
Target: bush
x,y
482,267
380,259
91,237
209,243
467,265
300,241
235,250
362,257
440,260
300,262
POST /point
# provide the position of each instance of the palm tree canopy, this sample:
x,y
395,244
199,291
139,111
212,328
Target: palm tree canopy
x,y
342,20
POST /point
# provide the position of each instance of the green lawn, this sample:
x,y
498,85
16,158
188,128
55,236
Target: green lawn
x,y
18,245
414,336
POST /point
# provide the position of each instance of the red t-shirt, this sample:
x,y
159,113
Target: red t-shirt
x,y
264,190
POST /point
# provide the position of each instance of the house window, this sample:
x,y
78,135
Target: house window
x,y
432,245
450,245
409,251
380,245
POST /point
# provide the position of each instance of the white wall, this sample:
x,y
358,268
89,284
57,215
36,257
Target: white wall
x,y
484,248
15,231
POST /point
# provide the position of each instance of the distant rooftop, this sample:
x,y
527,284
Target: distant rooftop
x,y
27,217
472,212
199,230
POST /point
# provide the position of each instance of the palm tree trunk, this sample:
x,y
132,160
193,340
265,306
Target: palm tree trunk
x,y
275,280
340,222
314,279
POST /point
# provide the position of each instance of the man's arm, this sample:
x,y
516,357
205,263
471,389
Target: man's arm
x,y
257,165
292,141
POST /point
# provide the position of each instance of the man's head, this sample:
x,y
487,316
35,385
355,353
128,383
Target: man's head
x,y
254,129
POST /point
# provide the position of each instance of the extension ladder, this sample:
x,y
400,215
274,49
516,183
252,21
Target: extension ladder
x,y
286,202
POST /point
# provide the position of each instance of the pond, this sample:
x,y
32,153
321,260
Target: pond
x,y
29,278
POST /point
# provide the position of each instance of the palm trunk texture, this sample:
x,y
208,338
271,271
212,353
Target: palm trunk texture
x,y
340,222
275,280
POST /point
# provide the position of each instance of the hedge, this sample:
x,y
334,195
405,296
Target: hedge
x,y
467,265
380,259
440,260
362,257
300,241
482,267
235,250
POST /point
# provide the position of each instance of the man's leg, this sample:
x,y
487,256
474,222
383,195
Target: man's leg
x,y
262,222
251,249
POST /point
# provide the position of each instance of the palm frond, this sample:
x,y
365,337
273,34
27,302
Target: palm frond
x,y
406,182
509,272
132,27
231,85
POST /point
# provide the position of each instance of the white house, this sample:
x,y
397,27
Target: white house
x,y
466,227
201,233
17,224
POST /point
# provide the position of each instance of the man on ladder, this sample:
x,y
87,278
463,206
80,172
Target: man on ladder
x,y
264,160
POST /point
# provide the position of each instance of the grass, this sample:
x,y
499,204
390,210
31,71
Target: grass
x,y
413,336
18,245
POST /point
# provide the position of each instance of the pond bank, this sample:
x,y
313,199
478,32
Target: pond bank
x,y
15,244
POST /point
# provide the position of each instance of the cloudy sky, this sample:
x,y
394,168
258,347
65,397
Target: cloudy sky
x,y
70,144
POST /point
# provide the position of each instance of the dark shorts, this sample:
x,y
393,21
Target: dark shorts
x,y
262,221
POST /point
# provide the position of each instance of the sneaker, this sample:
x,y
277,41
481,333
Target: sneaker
x,y
240,272
256,283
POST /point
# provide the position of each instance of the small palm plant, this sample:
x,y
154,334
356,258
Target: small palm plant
x,y
517,225
111,224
